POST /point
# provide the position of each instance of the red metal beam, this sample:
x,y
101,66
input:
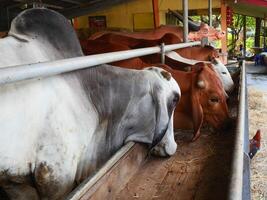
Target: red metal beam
x,y
155,4
261,3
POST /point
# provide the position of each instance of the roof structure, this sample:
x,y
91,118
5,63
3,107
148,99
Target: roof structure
x,y
254,8
70,8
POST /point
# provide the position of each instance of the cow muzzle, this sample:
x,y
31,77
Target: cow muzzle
x,y
167,147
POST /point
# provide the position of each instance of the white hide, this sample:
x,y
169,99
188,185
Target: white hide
x,y
167,146
14,51
42,120
225,76
51,122
220,68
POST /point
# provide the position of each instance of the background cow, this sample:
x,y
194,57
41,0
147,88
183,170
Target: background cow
x,y
203,97
176,31
56,131
118,41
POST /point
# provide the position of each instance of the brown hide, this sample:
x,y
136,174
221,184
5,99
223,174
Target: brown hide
x,y
155,34
205,31
205,53
152,38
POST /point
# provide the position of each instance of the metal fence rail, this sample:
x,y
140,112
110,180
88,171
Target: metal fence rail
x,y
44,69
239,187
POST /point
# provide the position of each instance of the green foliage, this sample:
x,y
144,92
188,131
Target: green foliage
x,y
235,38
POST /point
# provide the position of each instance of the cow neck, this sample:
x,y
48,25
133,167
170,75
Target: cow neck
x,y
110,90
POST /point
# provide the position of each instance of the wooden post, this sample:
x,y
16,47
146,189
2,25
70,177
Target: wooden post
x,y
257,32
210,13
185,20
224,28
264,32
155,4
244,35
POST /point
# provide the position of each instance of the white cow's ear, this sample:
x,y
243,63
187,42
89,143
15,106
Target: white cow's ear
x,y
162,116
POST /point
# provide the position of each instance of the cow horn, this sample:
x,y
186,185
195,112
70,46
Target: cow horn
x,y
201,84
192,26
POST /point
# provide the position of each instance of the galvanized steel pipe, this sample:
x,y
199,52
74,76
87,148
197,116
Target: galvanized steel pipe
x,y
210,13
29,71
185,20
236,182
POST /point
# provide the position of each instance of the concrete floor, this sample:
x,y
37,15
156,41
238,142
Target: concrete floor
x,y
252,69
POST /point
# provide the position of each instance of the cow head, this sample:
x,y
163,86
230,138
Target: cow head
x,y
158,120
223,73
208,99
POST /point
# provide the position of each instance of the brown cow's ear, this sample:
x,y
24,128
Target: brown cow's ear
x,y
197,115
198,67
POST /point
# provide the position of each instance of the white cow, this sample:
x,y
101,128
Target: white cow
x,y
219,67
56,131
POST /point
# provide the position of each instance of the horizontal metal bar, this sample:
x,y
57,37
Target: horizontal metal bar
x,y
44,69
236,181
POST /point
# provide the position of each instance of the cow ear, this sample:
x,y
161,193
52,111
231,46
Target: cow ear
x,y
197,115
198,67
162,117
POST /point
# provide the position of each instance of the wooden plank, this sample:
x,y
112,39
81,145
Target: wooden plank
x,y
113,176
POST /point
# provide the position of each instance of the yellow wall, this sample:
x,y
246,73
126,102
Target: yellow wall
x,y
129,15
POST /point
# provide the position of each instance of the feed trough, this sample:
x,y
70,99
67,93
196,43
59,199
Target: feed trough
x,y
208,168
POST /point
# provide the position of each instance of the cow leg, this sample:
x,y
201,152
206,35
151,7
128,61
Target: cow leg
x,y
53,181
20,192
55,171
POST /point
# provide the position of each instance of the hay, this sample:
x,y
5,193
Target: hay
x,y
258,120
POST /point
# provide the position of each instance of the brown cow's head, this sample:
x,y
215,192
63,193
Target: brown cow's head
x,y
208,99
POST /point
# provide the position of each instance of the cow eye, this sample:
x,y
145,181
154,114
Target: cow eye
x,y
214,100
223,72
176,98
173,102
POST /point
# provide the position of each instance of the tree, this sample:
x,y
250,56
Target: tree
x,y
236,28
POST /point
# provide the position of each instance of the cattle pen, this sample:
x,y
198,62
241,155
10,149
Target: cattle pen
x,y
216,166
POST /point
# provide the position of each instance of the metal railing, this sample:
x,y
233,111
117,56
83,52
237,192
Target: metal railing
x,y
239,187
44,69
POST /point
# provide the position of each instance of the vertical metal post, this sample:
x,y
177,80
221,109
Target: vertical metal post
x,y
162,52
185,20
244,35
210,13
224,28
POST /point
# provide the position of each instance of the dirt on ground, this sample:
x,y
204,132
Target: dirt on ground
x,y
257,100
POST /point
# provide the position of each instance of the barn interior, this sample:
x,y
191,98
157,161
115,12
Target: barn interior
x,y
199,170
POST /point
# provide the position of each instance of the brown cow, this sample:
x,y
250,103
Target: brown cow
x,y
203,98
205,31
117,42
